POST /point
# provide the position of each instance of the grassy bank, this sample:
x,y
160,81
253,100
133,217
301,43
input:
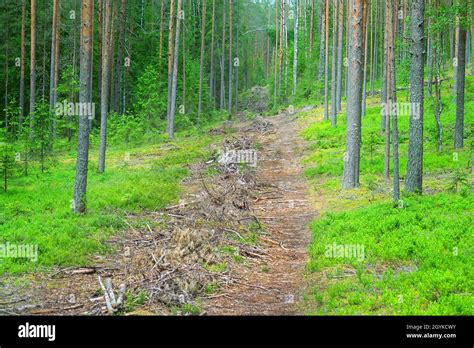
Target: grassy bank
x,y
36,209
371,256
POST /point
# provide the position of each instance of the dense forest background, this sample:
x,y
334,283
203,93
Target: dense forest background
x,y
105,103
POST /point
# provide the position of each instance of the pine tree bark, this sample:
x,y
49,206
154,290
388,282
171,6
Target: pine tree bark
x,y
85,96
472,49
120,61
231,58
32,65
383,121
326,61
354,96
201,67
334,65
222,58
414,178
385,91
295,50
275,81
340,39
162,16
460,85
22,64
322,40
170,61
104,92
366,52
311,28
392,86
212,84
54,69
174,78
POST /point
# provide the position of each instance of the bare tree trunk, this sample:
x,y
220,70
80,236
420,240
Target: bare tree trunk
x,y
384,85
472,49
7,50
460,73
222,89
170,61
32,66
333,65
311,30
414,178
322,39
54,70
231,58
456,55
374,67
22,64
354,97
104,92
170,124
438,105
392,86
275,82
340,32
119,67
110,76
326,62
366,40
85,96
429,88
385,94
212,83
346,87
162,15
100,29
295,50
201,67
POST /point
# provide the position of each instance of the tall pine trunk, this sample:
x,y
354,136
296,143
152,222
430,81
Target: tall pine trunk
x,y
170,125
201,67
326,61
340,39
85,96
334,66
414,178
354,96
120,61
231,59
104,91
22,64
295,50
212,79
460,84
32,65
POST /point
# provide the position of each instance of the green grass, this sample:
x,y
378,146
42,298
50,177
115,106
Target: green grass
x,y
418,256
36,210
417,260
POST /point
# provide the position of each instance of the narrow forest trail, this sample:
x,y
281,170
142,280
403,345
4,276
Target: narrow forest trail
x,y
270,282
274,285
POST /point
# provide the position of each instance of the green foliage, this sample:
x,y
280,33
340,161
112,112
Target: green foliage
x,y
417,255
36,209
418,260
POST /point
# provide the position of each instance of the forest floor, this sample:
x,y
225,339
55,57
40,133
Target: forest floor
x,y
236,244
274,284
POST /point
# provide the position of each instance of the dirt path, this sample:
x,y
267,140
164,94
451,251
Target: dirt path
x,y
273,285
167,260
